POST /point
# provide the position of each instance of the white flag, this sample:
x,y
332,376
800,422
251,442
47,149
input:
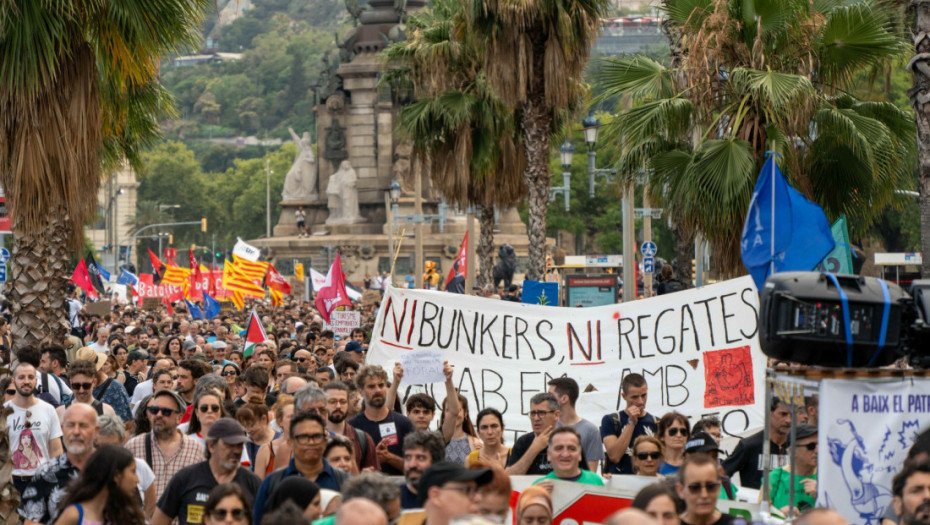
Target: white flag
x,y
246,251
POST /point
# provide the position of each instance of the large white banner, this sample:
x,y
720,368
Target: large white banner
x,y
866,427
698,350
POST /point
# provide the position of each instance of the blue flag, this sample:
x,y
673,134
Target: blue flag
x,y
194,310
126,277
539,292
211,307
103,273
783,231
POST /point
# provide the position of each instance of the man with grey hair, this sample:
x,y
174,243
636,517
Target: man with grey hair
x,y
219,353
311,398
187,492
360,511
528,455
376,487
113,432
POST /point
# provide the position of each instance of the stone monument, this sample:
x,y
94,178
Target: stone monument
x,y
342,193
300,182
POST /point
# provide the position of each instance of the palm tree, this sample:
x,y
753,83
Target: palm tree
x,y
457,125
536,54
750,82
920,68
79,92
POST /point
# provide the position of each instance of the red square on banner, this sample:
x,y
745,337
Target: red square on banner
x,y
728,377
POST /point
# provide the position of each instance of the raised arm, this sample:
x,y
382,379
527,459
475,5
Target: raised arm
x,y
452,408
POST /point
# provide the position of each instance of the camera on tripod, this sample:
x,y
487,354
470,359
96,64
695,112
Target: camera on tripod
x,y
830,320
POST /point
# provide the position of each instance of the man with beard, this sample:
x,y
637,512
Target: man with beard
x,y
145,388
83,381
747,456
189,489
165,448
41,497
35,433
363,446
911,490
422,448
386,427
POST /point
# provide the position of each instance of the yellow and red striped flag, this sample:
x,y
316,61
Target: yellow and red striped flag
x,y
255,271
175,276
235,281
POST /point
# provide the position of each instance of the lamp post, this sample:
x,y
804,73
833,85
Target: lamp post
x,y
566,152
418,219
590,127
268,173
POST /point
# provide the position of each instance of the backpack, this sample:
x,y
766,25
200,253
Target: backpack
x,y
674,285
43,392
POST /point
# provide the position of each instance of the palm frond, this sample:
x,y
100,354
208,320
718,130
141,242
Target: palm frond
x,y
637,76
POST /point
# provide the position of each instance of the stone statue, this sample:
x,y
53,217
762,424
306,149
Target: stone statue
x,y
342,194
345,52
300,183
355,10
335,144
403,160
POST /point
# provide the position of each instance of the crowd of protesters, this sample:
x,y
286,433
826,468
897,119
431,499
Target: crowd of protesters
x,y
149,417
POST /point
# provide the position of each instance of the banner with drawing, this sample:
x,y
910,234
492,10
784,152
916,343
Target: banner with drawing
x,y
865,431
698,350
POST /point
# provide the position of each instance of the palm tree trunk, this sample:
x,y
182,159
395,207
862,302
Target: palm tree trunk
x,y
920,101
684,253
37,290
537,120
485,249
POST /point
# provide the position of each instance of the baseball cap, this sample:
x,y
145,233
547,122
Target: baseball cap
x,y
87,354
438,474
701,442
136,355
804,430
353,346
229,431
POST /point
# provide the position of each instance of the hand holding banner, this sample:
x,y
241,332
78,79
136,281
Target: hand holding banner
x,y
422,367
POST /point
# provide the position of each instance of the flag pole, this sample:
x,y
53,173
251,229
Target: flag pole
x,y
772,244
400,241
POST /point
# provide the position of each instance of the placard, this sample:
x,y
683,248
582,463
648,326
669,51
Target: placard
x,y
100,308
344,321
151,303
422,367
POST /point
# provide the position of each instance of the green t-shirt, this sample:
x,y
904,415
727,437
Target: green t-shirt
x,y
328,520
779,486
587,477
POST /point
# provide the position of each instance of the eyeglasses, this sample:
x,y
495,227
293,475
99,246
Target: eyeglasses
x,y
230,373
165,411
209,408
220,514
710,486
468,490
642,456
674,431
302,359
810,446
82,386
307,439
540,413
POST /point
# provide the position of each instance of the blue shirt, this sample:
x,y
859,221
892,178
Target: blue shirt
x,y
326,479
116,397
611,425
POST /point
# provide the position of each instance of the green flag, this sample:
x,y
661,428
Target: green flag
x,y
840,259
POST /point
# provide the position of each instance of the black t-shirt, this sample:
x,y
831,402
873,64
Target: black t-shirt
x,y
408,500
747,460
189,489
725,519
393,425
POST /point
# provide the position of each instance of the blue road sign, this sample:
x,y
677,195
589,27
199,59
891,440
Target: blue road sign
x,y
649,265
3,273
4,255
649,249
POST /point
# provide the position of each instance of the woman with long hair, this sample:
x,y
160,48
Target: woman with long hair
x,y
491,431
673,431
121,353
208,408
172,347
227,503
647,456
253,416
463,440
276,454
105,492
230,372
110,366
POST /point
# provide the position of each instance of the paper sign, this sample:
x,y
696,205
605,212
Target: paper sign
x,y
345,321
422,367
151,303
100,308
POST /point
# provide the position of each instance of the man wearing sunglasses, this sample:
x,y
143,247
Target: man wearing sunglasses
x,y
83,382
165,448
699,485
803,475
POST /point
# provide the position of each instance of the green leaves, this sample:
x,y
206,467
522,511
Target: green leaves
x,y
855,36
780,91
636,75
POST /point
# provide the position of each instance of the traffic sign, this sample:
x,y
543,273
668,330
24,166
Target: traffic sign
x,y
4,255
3,273
649,249
649,265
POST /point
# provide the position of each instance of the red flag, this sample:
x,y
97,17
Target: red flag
x,y
212,281
254,334
277,282
81,278
460,266
195,268
333,292
156,263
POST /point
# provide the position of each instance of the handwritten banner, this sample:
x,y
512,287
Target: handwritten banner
x,y
422,367
698,350
344,321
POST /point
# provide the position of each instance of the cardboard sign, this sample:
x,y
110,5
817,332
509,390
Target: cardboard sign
x,y
344,321
151,303
100,308
422,367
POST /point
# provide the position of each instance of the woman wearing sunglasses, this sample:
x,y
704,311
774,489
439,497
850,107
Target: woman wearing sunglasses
x,y
230,372
208,407
673,430
647,456
227,504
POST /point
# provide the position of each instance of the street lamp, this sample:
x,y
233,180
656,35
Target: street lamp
x,y
566,152
394,191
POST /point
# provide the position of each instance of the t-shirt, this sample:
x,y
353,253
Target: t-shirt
x,y
611,425
393,426
587,477
747,460
29,446
146,477
540,463
408,500
779,480
591,443
189,489
138,394
74,308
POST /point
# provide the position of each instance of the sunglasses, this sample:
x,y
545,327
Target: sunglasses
x,y
642,456
81,386
220,514
674,431
710,486
165,411
209,408
302,359
11,392
230,373
810,446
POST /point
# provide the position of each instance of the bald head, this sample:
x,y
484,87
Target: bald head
x,y
79,429
631,516
360,511
163,364
821,516
293,384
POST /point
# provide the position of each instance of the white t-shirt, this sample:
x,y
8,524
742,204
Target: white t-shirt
x,y
29,446
146,477
56,387
142,389
74,307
